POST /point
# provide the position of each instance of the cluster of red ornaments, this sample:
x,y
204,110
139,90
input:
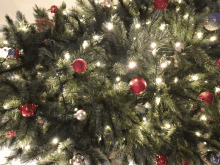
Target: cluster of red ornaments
x,y
160,4
27,110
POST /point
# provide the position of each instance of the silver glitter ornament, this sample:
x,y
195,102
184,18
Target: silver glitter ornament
x,y
80,115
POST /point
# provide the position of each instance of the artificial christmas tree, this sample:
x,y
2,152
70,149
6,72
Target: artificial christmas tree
x,y
130,89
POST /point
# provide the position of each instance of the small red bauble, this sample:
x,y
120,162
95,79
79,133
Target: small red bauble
x,y
79,65
27,110
185,162
218,63
160,4
10,133
137,85
207,97
161,160
53,8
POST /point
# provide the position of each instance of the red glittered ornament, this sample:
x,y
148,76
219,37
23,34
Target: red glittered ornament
x,y
53,9
137,85
161,160
79,65
160,4
207,97
27,110
218,63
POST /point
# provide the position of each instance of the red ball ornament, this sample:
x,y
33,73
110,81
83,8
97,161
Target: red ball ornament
x,y
10,133
161,160
218,63
79,65
185,162
207,97
138,85
27,110
53,9
160,4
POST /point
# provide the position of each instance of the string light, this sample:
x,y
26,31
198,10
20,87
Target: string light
x,y
5,42
154,51
138,26
206,81
147,105
177,44
110,26
144,119
186,16
153,45
24,28
96,1
67,56
5,106
205,143
132,64
204,118
162,27
64,12
199,35
157,100
134,38
115,7
198,134
180,1
55,141
168,126
27,147
177,9
158,80
195,77
98,64
148,22
85,44
164,65
175,80
96,37
107,127
217,89
118,79
213,38
76,109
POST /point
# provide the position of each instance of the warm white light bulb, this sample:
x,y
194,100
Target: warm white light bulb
x,y
177,9
153,45
148,22
213,38
110,26
100,138
198,134
203,117
115,7
76,109
195,77
55,141
206,81
175,80
5,106
217,89
96,37
186,16
24,28
67,56
177,44
162,27
163,65
118,79
158,80
27,147
96,1
180,1
5,42
168,126
132,64
205,143
154,51
98,64
64,12
85,44
144,119
140,127
158,100
107,127
138,26
134,38
199,35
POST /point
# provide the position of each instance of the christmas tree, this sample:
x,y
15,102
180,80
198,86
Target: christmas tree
x,y
132,83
